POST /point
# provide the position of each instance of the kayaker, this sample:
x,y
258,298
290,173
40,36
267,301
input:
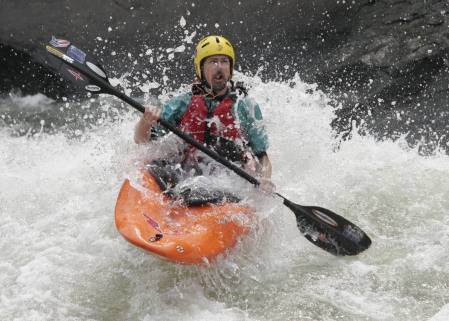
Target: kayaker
x,y
214,112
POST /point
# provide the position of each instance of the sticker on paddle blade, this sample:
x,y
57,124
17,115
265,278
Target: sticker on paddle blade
x,y
76,74
59,43
57,53
96,69
54,51
324,217
92,88
76,54
323,238
152,222
353,233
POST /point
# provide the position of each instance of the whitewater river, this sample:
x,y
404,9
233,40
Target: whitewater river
x,y
61,258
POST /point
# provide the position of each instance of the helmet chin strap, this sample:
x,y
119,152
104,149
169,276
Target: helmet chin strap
x,y
209,95
222,91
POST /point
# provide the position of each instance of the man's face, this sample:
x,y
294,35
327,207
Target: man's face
x,y
217,72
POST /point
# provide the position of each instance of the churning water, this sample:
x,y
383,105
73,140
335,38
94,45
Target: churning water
x,y
61,258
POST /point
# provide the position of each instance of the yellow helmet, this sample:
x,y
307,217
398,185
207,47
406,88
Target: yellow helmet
x,y
213,45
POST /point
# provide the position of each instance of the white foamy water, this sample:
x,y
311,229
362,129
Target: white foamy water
x,y
61,257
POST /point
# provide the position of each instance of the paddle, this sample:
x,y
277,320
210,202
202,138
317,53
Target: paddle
x,y
320,226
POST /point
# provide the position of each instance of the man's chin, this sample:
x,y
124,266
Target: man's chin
x,y
219,87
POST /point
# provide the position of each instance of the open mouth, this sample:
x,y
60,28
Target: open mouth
x,y
219,77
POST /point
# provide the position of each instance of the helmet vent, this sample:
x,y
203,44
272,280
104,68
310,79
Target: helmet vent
x,y
216,39
205,45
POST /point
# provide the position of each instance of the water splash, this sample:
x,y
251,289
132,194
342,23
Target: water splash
x,y
62,257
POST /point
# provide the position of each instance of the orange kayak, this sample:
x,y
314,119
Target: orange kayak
x,y
174,232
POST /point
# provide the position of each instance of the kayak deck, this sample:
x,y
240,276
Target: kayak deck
x,y
197,235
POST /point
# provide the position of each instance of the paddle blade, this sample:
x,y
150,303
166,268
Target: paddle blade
x,y
77,66
329,231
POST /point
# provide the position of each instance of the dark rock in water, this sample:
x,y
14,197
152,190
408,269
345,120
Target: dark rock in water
x,y
391,75
155,40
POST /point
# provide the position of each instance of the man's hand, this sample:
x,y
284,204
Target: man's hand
x,y
142,132
267,185
151,115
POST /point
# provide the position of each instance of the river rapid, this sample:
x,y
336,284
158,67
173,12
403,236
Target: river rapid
x,y
61,258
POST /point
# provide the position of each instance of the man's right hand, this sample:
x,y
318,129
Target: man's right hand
x,y
142,132
151,115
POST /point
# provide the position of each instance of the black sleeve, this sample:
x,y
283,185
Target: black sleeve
x,y
260,155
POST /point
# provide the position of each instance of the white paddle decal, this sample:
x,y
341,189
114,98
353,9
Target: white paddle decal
x,y
93,88
96,69
324,217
